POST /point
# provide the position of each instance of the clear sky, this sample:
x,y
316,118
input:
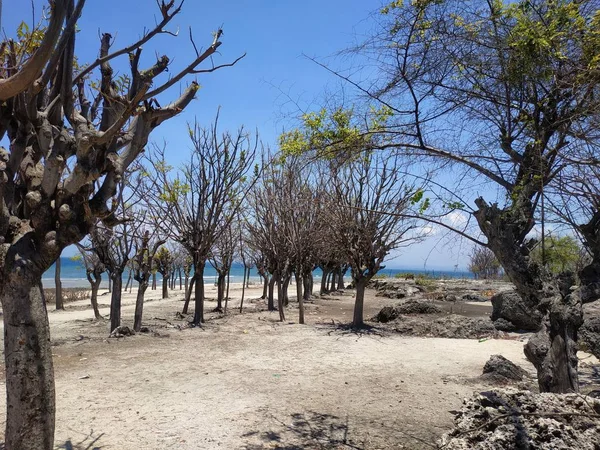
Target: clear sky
x,y
256,92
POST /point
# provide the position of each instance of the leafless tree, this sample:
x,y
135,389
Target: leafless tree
x,y
93,271
204,197
483,263
67,153
366,216
221,258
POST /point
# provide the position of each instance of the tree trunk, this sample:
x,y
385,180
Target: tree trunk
x,y
95,285
220,291
271,296
187,281
227,288
280,300
265,287
153,281
188,295
340,280
300,296
553,350
284,290
115,300
324,281
199,294
128,281
165,286
30,398
139,305
306,281
180,279
59,297
243,289
357,321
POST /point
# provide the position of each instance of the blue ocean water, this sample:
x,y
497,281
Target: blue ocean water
x,y
73,274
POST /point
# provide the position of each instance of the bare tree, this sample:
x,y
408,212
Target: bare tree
x,y
483,263
204,197
93,271
369,200
66,155
221,258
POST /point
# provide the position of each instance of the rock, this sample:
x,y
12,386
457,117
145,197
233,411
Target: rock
x,y
498,369
509,306
504,325
450,326
589,336
474,298
387,314
513,419
451,298
122,331
416,307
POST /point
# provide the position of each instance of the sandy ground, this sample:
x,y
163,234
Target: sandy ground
x,y
245,381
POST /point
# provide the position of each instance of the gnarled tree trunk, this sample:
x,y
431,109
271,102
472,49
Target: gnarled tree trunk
x,y
95,285
115,300
357,320
29,372
139,306
199,294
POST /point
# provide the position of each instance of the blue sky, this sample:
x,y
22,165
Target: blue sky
x,y
256,92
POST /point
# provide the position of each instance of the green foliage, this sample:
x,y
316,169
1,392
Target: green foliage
x,y
561,253
380,276
174,190
425,281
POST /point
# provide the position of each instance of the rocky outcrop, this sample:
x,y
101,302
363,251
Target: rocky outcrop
x,y
589,336
513,419
395,289
389,313
500,370
509,306
450,326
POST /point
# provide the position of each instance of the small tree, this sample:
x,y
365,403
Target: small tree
x,y
164,263
483,263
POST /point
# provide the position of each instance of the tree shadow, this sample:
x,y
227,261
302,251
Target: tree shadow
x,y
310,430
88,442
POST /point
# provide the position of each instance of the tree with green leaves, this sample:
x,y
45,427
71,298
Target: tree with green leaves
x,y
559,254
506,94
73,131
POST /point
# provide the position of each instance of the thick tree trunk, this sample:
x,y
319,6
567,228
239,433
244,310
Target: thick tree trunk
x,y
340,279
188,295
139,305
165,286
95,285
271,296
60,304
357,320
199,295
153,281
115,300
553,350
30,398
300,296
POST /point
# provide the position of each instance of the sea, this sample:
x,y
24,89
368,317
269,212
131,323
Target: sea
x,y
73,274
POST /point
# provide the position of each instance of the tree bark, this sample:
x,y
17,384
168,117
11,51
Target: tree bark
x,y
284,290
180,279
357,320
165,286
60,304
139,306
115,300
227,288
199,294
341,279
271,296
153,281
30,397
300,296
220,291
306,281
